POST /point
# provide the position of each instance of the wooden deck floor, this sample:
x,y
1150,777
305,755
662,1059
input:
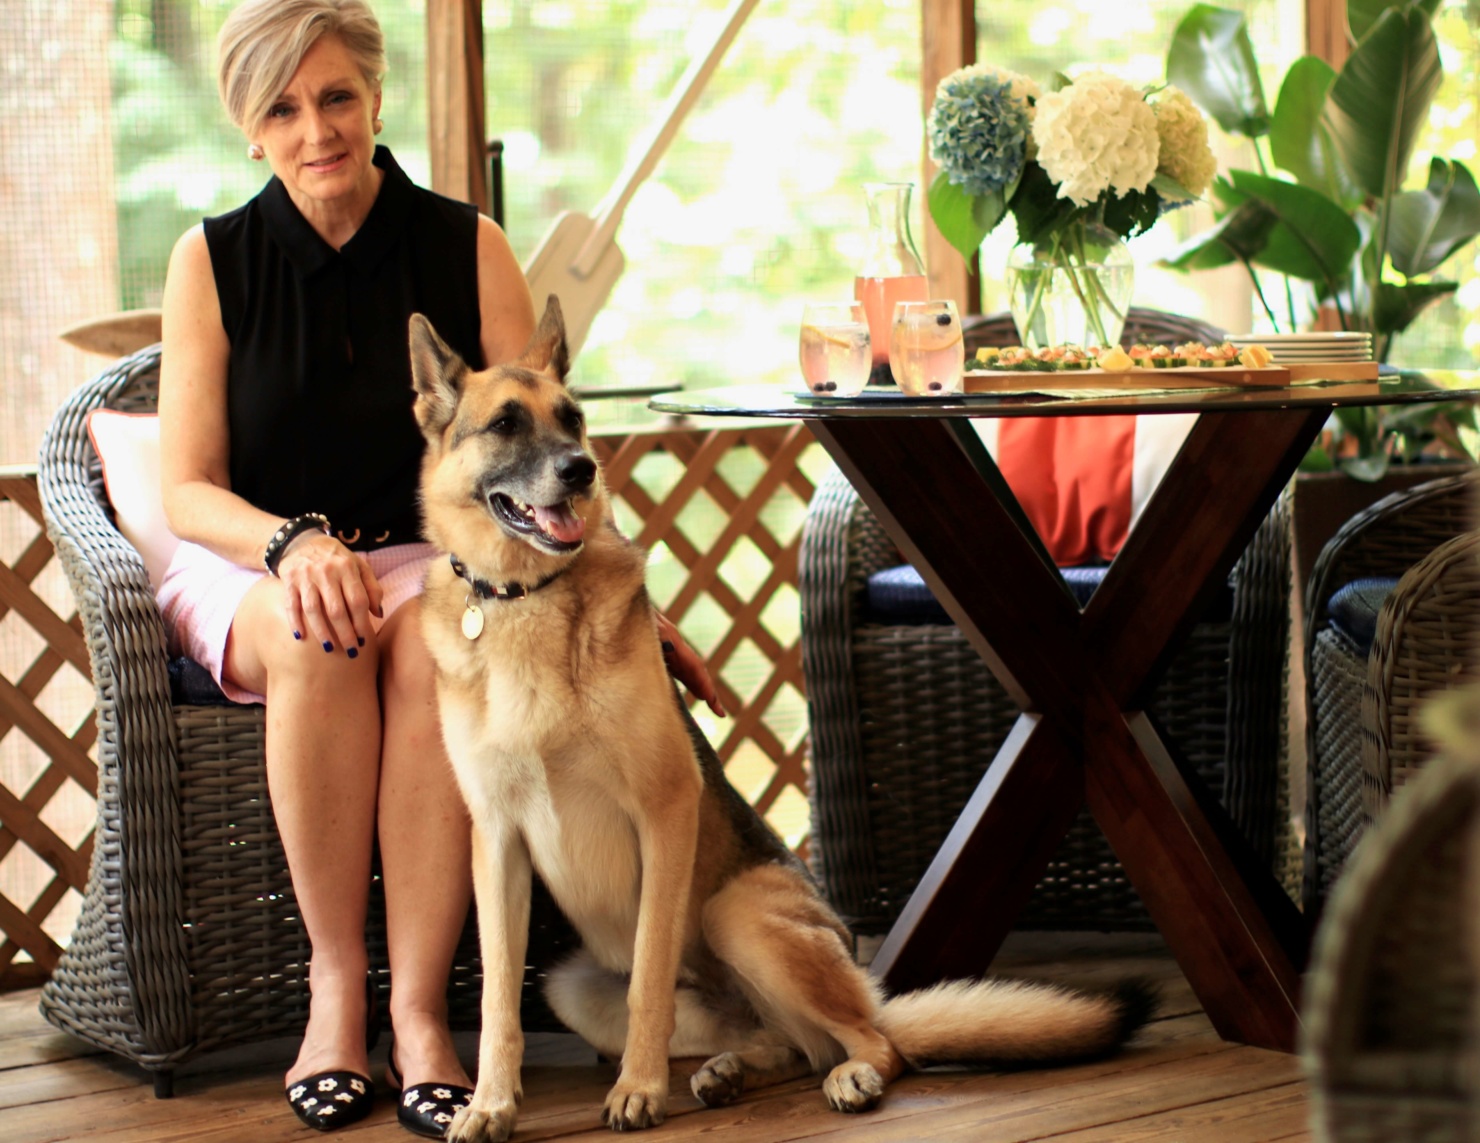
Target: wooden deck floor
x,y
1177,1082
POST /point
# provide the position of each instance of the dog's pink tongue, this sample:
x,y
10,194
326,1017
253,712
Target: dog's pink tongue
x,y
561,522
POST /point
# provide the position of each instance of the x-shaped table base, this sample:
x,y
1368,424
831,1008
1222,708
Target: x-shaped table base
x,y
1082,680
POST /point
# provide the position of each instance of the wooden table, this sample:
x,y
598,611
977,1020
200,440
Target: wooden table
x,y
1082,677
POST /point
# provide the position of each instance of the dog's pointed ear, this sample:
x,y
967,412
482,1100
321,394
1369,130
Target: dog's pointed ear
x,y
547,349
437,374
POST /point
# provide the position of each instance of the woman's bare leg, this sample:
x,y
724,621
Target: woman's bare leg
x,y
425,853
323,757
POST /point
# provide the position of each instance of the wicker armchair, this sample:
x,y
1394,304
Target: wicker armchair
x,y
1389,1015
189,938
904,719
1362,736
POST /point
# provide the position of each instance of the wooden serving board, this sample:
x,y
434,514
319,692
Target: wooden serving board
x,y
1187,377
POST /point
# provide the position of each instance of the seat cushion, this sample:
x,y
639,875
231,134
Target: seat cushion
x,y
898,597
192,685
1353,609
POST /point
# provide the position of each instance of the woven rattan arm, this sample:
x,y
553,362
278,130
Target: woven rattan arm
x,y
1425,644
122,982
1256,782
1386,540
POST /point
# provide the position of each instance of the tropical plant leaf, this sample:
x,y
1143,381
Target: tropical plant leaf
x,y
1300,136
1395,306
1368,469
1211,58
1380,101
1362,14
1313,238
1427,226
1238,236
963,220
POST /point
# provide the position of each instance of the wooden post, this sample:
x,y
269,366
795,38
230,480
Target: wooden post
x,y
1325,31
947,42
455,114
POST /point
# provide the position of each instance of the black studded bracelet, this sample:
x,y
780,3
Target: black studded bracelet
x,y
310,521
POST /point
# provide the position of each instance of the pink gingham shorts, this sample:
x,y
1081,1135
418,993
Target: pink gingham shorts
x,y
201,592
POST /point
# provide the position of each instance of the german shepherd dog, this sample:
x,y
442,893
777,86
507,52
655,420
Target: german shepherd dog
x,y
578,759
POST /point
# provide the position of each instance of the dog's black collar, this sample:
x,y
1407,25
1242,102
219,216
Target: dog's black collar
x,y
485,590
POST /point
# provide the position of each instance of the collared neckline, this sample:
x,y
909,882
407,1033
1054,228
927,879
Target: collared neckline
x,y
306,248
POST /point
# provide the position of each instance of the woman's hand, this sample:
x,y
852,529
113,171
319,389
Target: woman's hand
x,y
685,665
330,591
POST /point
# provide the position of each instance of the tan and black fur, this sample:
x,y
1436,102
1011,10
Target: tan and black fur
x,y
578,759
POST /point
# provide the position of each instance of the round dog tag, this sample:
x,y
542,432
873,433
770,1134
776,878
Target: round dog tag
x,y
472,621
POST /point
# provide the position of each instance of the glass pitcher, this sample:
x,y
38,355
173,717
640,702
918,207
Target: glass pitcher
x,y
891,271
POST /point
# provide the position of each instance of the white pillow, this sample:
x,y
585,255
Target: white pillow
x,y
128,446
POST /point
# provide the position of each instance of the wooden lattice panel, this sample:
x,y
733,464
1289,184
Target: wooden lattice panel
x,y
47,728
721,511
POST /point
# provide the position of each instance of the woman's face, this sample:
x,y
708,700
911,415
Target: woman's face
x,y
318,134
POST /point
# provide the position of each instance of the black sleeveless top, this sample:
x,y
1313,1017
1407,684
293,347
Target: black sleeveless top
x,y
319,390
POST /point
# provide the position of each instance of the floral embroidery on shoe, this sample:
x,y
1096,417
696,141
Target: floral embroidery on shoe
x,y
297,1093
309,1102
441,1093
327,1109
344,1097
329,1083
441,1117
357,1086
423,1108
410,1097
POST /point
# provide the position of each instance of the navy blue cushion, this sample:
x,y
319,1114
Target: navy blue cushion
x,y
898,596
192,685
1353,609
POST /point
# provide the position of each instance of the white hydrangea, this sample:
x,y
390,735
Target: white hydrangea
x,y
1185,153
1097,134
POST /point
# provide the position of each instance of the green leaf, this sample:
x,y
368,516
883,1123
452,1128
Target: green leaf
x,y
1368,469
1132,213
1317,459
1429,225
1212,59
1362,14
1036,205
1238,236
1300,135
1396,306
963,220
1313,238
1380,102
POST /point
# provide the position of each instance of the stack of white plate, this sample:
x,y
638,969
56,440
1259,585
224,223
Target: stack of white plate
x,y
1297,348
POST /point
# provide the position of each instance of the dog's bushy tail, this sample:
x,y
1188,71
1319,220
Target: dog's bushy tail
x,y
1005,1023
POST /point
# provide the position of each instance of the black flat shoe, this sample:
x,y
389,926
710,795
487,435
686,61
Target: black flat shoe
x,y
427,1108
330,1100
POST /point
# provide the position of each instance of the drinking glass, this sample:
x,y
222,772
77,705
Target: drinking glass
x,y
926,353
834,349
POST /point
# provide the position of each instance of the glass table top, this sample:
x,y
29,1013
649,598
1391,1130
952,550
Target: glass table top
x,y
1398,388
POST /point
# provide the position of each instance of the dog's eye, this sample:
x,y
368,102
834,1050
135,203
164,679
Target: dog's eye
x,y
505,426
572,418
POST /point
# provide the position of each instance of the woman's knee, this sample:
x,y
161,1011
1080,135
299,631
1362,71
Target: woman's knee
x,y
407,672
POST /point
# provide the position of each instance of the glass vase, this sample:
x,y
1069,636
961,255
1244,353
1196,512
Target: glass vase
x,y
891,272
1071,289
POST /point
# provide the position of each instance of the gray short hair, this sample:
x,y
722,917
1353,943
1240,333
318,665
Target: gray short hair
x,y
262,43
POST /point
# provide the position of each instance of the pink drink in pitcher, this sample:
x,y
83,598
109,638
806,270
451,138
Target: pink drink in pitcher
x,y
879,297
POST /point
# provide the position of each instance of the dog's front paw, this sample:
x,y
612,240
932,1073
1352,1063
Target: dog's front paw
x,y
853,1086
631,1107
720,1081
483,1124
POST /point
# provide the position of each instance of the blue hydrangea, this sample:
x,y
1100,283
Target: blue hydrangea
x,y
978,127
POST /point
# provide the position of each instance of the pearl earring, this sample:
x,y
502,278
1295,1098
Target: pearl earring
x,y
378,125
255,152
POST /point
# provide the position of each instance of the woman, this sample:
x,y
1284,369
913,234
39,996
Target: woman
x,y
290,465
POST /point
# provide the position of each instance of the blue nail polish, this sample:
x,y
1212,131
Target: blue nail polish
x,y
351,652
298,634
362,642
328,646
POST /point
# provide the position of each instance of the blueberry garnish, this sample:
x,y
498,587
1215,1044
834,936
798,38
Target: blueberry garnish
x,y
934,386
942,319
831,386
